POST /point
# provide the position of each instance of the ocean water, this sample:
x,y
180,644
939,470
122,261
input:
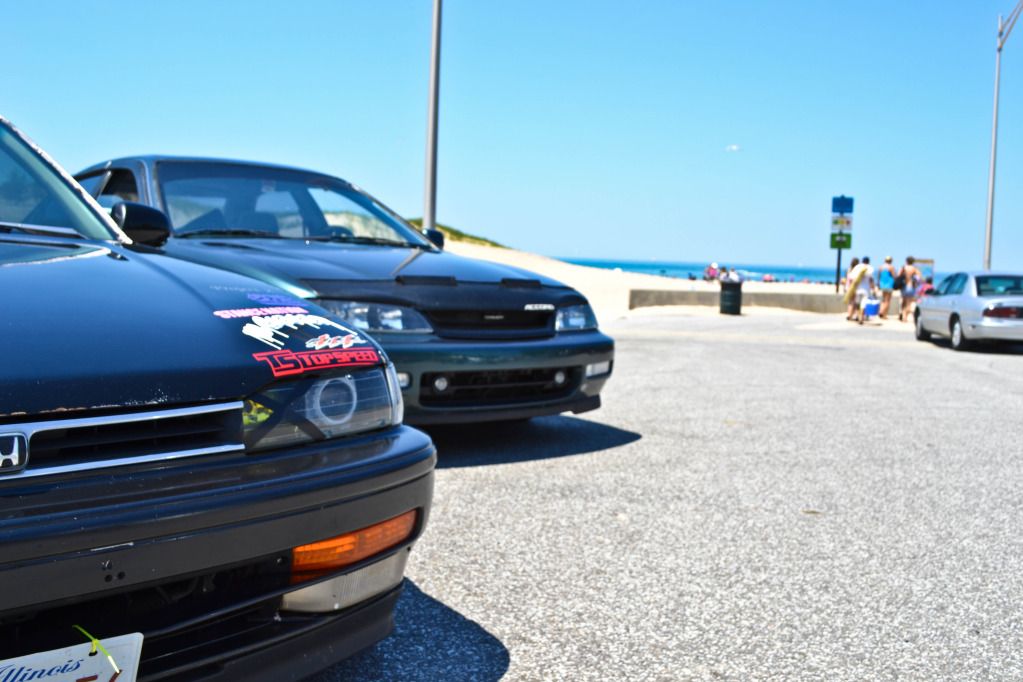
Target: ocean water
x,y
781,273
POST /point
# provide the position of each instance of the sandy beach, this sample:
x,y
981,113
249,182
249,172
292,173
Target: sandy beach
x,y
608,290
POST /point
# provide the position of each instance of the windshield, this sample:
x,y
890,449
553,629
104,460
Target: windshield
x,y
33,194
1000,285
223,198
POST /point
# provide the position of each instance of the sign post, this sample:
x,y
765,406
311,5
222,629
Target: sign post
x,y
841,222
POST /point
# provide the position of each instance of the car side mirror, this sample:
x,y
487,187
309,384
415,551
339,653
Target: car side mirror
x,y
142,223
436,238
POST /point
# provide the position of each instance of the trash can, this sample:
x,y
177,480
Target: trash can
x,y
731,298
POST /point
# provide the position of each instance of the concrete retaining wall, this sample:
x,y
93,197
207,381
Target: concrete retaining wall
x,y
815,303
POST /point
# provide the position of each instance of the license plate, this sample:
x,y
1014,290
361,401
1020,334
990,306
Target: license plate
x,y
75,664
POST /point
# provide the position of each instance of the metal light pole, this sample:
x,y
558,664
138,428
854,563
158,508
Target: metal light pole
x,y
430,203
1004,29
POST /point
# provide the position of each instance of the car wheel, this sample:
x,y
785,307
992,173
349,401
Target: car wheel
x,y
918,325
959,341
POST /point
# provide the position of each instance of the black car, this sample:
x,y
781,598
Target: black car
x,y
202,473
471,340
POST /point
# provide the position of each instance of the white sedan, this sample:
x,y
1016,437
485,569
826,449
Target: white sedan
x,y
973,306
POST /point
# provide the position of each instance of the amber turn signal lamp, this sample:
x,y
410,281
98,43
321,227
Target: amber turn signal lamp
x,y
318,558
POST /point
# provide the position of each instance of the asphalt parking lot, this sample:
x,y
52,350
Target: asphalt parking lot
x,y
772,497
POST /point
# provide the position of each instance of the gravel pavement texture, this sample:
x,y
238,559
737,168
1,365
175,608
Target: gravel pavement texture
x,y
767,497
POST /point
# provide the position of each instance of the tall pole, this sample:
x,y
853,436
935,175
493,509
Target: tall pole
x,y
430,202
1004,29
838,269
994,152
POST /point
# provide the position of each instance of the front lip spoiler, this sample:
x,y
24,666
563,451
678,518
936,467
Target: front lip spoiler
x,y
426,416
326,640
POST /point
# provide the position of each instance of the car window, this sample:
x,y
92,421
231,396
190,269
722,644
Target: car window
x,y
275,211
33,193
1000,285
290,203
340,211
92,183
194,204
944,286
957,285
120,187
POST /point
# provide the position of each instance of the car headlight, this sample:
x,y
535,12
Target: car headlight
x,y
377,317
575,318
297,412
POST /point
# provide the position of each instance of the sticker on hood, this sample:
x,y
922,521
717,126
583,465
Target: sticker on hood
x,y
327,341
287,363
248,312
275,299
275,330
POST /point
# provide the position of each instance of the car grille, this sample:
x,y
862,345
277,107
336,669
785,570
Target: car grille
x,y
498,387
65,445
492,324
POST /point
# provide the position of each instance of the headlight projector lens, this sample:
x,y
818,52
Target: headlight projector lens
x,y
332,401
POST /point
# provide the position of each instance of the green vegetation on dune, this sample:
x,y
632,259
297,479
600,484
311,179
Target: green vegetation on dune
x,y
451,234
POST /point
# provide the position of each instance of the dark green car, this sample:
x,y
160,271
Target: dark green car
x,y
471,340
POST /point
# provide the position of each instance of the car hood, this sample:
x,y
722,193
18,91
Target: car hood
x,y
93,325
292,262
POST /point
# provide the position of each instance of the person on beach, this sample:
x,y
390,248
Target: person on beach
x,y
886,282
710,274
864,285
847,286
861,285
910,278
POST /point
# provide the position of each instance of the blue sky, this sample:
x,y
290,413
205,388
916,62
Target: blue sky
x,y
588,129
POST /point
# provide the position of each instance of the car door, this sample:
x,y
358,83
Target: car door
x,y
951,302
933,309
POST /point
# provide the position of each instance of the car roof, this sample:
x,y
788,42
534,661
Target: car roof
x,y
153,159
991,273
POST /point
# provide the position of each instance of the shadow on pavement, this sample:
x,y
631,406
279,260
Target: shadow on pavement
x,y
997,348
523,441
430,642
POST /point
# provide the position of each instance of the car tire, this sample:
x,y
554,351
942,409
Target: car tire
x,y
918,328
957,334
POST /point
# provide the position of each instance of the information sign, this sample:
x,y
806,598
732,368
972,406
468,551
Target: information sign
x,y
841,240
841,223
842,204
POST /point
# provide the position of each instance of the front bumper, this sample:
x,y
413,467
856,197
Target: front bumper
x,y
104,548
479,361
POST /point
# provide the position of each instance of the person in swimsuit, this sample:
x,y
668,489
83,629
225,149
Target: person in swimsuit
x,y
911,279
886,282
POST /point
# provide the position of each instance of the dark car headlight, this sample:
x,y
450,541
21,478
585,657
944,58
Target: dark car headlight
x,y
575,318
377,317
343,404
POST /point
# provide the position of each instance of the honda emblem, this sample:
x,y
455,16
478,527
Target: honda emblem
x,y
13,452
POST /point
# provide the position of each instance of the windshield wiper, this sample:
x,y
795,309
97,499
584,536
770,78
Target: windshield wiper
x,y
49,231
231,232
376,241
